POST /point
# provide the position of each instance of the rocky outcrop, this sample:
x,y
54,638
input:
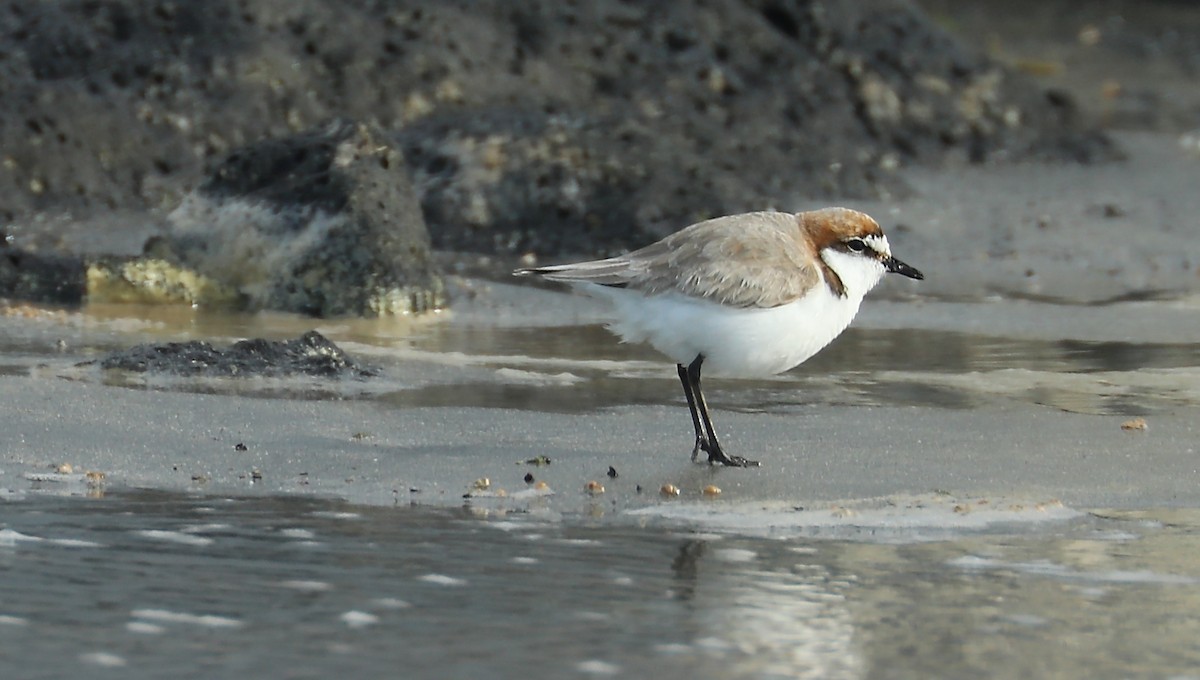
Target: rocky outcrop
x,y
324,223
546,125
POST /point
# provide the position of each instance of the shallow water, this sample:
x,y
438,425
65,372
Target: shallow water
x,y
863,367
579,368
140,585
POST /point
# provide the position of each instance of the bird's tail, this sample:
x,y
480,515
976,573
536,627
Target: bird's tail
x,y
611,272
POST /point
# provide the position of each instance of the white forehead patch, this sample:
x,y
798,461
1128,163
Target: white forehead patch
x,y
878,243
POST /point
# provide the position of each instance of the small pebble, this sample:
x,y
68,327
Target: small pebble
x,y
1135,425
612,472
669,490
593,487
712,490
482,484
529,478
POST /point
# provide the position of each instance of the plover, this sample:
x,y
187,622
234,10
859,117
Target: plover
x,y
745,295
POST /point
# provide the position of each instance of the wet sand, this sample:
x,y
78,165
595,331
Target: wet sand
x,y
367,452
887,412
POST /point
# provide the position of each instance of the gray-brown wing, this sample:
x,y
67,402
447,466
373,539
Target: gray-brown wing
x,y
749,260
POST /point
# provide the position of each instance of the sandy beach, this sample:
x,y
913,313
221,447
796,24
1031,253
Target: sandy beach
x,y
993,473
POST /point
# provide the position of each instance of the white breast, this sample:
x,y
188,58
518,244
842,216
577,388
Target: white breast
x,y
737,342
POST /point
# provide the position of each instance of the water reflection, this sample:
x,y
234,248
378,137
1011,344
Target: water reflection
x,y
305,588
766,622
581,368
863,367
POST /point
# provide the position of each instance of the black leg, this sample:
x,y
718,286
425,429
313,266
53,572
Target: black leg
x,y
701,442
707,440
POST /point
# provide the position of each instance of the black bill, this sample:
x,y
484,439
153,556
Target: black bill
x,y
897,267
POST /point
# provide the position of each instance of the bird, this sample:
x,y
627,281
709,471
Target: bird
x,y
744,296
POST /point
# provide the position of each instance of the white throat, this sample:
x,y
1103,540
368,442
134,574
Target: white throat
x,y
858,274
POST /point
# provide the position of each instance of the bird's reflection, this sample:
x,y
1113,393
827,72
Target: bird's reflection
x,y
686,569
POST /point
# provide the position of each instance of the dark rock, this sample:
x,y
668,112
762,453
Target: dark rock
x,y
644,117
311,354
37,277
547,125
323,223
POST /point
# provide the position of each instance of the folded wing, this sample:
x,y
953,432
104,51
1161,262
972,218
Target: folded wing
x,y
750,260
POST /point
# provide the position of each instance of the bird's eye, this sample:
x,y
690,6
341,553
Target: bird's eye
x,y
856,245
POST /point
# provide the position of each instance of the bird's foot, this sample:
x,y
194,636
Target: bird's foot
x,y
730,461
716,455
